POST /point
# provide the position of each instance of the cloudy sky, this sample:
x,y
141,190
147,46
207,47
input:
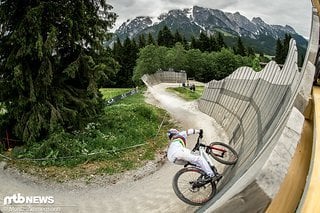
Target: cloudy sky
x,y
295,13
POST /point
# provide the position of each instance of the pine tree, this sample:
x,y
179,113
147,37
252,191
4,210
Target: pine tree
x,y
194,43
286,42
160,38
48,70
279,49
150,39
185,43
220,42
142,41
282,48
127,62
165,37
204,42
177,37
213,44
117,49
250,51
241,50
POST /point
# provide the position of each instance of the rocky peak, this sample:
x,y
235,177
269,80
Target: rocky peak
x,y
191,21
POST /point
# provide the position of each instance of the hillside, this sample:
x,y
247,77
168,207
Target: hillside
x,y
189,22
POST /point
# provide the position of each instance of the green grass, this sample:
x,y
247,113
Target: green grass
x,y
112,92
123,138
186,93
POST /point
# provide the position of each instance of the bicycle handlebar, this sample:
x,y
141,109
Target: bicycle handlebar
x,y
201,133
198,144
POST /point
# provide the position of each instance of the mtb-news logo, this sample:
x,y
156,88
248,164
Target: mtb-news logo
x,y
20,199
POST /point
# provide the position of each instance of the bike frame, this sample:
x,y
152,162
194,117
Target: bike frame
x,y
218,149
203,153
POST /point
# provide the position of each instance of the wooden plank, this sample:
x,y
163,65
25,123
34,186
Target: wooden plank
x,y
290,192
310,202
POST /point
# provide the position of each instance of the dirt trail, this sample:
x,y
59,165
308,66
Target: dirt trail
x,y
152,193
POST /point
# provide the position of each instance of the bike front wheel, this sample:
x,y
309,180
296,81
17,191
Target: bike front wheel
x,y
189,188
223,153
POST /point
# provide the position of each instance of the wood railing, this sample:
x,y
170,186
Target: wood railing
x,y
311,196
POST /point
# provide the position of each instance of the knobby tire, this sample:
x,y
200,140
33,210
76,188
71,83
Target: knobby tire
x,y
231,156
183,186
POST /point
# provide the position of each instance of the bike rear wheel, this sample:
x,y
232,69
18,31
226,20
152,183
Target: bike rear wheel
x,y
188,187
229,156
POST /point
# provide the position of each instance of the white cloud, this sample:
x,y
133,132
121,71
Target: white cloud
x,y
295,13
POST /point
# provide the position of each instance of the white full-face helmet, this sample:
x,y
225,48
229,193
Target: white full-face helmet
x,y
172,132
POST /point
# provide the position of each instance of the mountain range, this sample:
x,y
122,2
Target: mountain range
x,y
191,21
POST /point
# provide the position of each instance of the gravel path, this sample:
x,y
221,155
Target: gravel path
x,y
145,190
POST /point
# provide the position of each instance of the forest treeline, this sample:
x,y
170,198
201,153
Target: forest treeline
x,y
54,60
204,58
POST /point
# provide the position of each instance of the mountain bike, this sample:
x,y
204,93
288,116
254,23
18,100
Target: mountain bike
x,y
189,183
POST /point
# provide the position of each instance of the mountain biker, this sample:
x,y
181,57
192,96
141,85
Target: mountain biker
x,y
178,153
